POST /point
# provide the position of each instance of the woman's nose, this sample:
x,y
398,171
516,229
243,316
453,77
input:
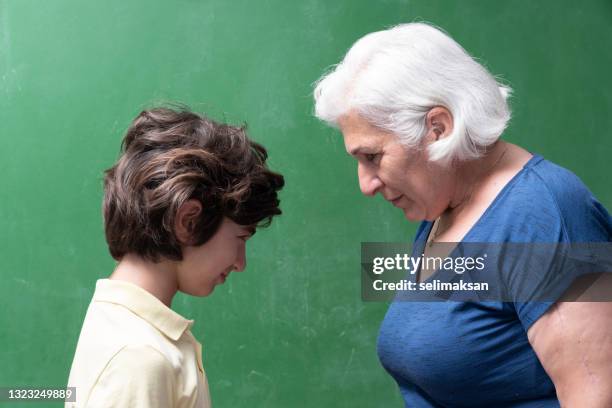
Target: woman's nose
x,y
369,183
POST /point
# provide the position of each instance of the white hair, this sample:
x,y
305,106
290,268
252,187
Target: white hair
x,y
392,78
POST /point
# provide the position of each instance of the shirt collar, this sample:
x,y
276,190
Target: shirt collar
x,y
143,304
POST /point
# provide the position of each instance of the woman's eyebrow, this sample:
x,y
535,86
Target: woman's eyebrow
x,y
361,149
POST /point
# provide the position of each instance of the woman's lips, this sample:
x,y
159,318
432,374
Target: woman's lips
x,y
396,201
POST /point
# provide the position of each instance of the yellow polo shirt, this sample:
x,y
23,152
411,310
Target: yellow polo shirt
x,y
134,351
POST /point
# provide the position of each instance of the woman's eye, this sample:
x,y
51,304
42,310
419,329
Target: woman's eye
x,y
370,157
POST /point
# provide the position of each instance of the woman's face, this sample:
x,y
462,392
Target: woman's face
x,y
404,177
208,265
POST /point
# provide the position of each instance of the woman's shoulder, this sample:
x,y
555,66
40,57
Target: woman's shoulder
x,y
562,184
550,195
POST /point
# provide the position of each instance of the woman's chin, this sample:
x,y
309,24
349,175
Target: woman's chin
x,y
412,215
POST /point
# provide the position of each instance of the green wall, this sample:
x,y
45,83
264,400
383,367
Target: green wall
x,y
291,331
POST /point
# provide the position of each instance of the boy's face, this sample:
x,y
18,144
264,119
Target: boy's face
x,y
205,266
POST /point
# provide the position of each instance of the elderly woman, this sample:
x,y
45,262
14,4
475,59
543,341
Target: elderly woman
x,y
179,205
423,120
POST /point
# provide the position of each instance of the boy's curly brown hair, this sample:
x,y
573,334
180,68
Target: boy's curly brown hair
x,y
169,156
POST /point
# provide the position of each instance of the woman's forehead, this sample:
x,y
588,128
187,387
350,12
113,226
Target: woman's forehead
x,y
366,140
359,135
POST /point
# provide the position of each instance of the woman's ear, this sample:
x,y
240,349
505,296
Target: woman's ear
x,y
439,123
186,220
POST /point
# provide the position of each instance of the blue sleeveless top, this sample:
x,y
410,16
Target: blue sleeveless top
x,y
461,354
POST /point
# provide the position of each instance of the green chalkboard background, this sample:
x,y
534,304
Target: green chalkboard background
x,y
292,330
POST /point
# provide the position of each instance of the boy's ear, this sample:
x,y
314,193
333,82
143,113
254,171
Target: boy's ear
x,y
186,220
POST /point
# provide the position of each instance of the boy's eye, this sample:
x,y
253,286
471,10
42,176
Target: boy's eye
x,y
246,233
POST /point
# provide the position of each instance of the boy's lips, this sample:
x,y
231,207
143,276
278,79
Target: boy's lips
x,y
396,200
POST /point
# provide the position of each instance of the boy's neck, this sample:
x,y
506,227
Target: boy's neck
x,y
159,279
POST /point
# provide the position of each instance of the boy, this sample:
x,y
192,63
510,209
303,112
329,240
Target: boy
x,y
179,205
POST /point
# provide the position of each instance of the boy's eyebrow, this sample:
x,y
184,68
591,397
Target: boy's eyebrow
x,y
250,229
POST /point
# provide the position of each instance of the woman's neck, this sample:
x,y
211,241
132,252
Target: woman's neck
x,y
473,175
